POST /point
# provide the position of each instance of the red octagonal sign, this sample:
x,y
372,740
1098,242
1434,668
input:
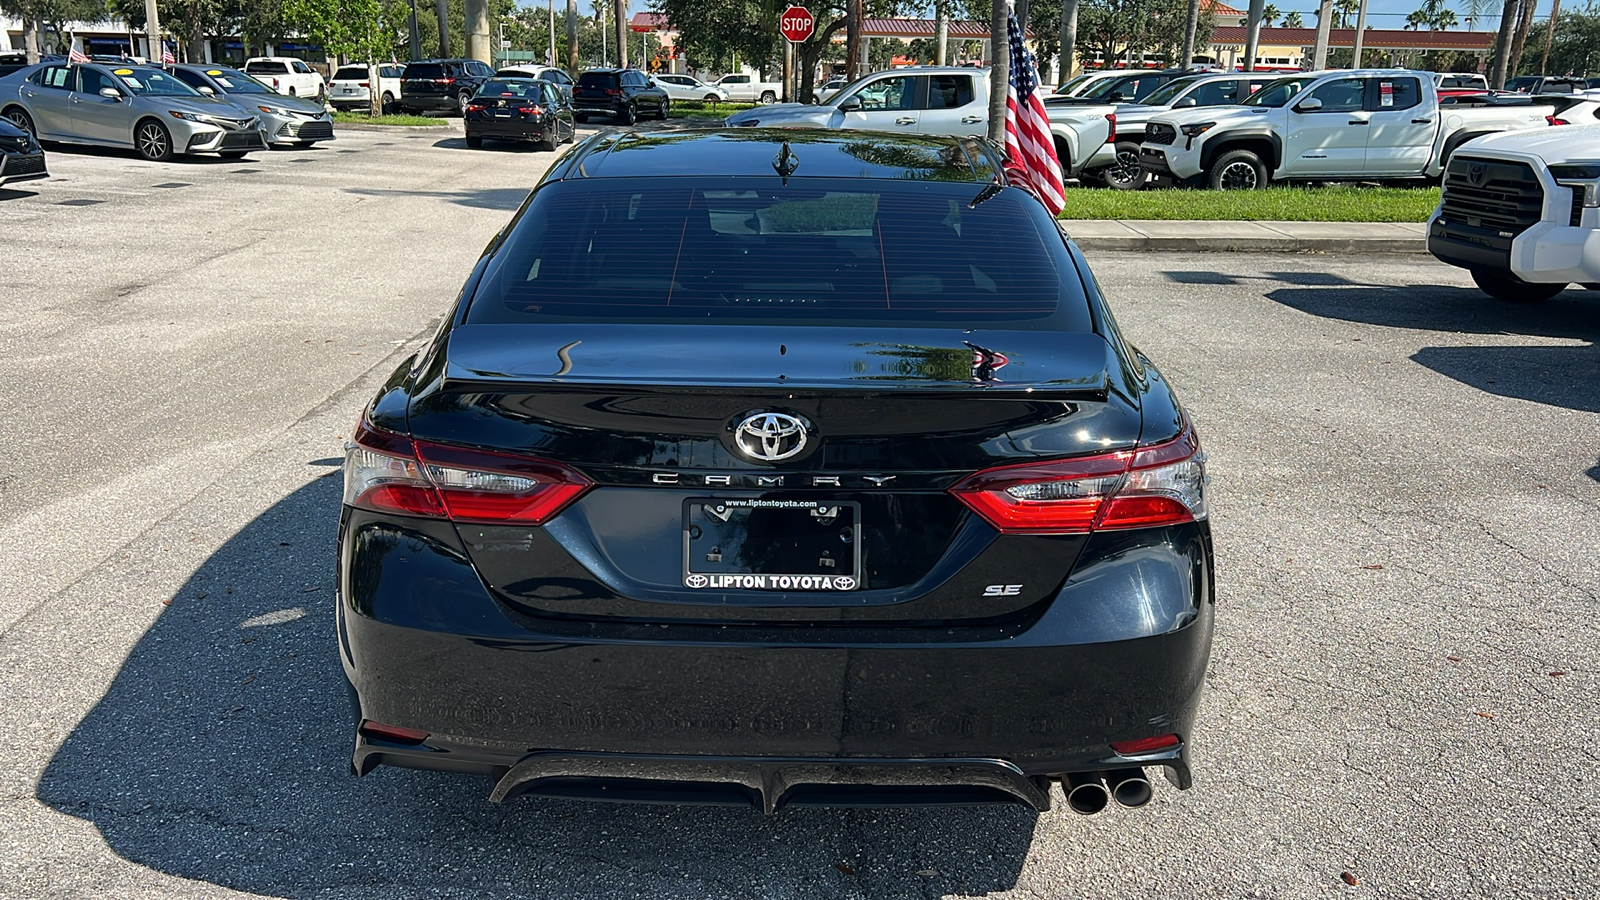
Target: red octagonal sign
x,y
796,23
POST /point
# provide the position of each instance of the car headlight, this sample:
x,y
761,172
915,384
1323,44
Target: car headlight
x,y
1583,178
275,110
193,117
1197,129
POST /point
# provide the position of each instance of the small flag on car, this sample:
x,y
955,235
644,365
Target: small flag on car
x,y
1030,149
167,59
75,55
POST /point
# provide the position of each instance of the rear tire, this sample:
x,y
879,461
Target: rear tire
x,y
474,141
1237,170
20,118
461,104
628,115
662,112
1512,289
387,105
581,118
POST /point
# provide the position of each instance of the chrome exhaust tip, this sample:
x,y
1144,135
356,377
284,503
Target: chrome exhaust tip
x,y
1129,787
1086,792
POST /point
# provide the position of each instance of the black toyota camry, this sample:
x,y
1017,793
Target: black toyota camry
x,y
778,467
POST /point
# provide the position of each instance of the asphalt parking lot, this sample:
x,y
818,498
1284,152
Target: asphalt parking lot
x,y
1406,502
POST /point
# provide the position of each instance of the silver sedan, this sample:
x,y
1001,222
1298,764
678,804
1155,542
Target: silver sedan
x,y
144,108
284,120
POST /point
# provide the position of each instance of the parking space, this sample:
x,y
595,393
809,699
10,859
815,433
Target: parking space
x,y
1407,502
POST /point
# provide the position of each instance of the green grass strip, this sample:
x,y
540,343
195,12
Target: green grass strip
x,y
356,118
1333,203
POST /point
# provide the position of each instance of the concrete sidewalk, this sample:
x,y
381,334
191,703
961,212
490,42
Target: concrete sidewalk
x,y
1277,237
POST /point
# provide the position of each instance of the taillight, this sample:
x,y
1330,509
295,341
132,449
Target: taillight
x,y
364,83
1145,745
1162,484
443,80
475,107
1112,118
613,92
1556,121
390,473
531,110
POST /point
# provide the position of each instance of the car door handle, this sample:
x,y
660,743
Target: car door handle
x,y
1359,122
905,120
971,120
1422,121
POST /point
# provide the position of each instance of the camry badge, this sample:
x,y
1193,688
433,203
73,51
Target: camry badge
x,y
770,436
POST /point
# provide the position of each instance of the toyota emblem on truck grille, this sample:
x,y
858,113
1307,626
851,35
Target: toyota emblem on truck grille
x,y
770,436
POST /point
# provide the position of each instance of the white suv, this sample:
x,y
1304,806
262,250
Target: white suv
x,y
287,75
1521,212
351,88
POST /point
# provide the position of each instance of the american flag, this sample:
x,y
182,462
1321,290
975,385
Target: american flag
x,y
167,59
77,56
1030,150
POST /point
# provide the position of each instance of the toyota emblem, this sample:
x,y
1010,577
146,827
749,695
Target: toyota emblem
x,y
770,436
1477,174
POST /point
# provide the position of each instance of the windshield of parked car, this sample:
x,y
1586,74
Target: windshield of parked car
x,y
153,83
1106,87
719,250
1168,92
1076,80
235,82
1277,93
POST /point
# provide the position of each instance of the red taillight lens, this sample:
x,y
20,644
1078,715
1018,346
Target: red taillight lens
x,y
364,84
443,80
475,107
390,473
393,733
1162,484
613,92
1112,118
1145,745
1553,120
531,110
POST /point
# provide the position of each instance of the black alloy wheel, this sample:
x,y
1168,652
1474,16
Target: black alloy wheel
x,y
20,118
1126,174
629,114
1238,170
662,112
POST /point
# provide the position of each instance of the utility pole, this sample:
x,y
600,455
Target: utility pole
x,y
1252,38
478,31
552,60
416,37
603,4
1319,53
1361,28
152,33
441,11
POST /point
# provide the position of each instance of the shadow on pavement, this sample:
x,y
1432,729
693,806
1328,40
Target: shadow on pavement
x,y
490,145
14,194
52,148
490,198
220,753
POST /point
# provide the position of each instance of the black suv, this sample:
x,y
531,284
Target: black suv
x,y
624,93
442,84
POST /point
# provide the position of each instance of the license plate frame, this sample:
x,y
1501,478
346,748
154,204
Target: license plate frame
x,y
722,535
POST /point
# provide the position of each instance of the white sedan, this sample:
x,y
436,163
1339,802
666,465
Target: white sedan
x,y
688,87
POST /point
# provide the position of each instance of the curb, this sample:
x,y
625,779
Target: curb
x,y
1250,245
392,129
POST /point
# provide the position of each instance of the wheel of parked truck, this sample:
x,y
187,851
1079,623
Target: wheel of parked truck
x,y
152,140
292,92
1126,174
1514,290
629,114
1238,170
20,118
769,97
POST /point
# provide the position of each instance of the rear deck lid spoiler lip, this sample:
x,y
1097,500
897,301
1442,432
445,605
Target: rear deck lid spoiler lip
x,y
681,357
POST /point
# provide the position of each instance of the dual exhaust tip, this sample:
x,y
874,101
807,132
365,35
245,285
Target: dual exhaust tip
x,y
1090,792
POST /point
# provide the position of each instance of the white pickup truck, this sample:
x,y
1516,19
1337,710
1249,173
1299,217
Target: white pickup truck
x,y
1324,126
747,89
287,75
939,100
1521,212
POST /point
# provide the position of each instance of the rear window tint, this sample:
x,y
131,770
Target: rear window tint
x,y
597,79
425,70
743,250
351,73
267,68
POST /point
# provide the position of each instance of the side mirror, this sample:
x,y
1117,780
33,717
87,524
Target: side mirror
x,y
111,93
1310,104
1186,103
850,104
1117,97
204,89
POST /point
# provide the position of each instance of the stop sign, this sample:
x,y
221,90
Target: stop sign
x,y
796,23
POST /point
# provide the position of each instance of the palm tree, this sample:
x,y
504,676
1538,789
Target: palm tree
x,y
1293,20
1269,14
1344,12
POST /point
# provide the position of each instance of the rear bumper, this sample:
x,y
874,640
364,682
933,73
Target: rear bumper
x,y
430,102
521,130
580,706
602,107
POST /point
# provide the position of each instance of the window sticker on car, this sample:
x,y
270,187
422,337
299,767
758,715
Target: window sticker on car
x,y
132,82
226,84
1386,93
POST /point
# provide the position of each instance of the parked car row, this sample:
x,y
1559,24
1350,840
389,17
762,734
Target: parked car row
x,y
159,113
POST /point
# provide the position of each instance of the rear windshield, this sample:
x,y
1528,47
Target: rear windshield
x,y
752,250
351,73
425,70
266,68
597,79
519,89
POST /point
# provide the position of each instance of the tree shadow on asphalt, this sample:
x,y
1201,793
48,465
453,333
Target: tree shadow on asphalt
x,y
14,194
220,753
490,198
1553,375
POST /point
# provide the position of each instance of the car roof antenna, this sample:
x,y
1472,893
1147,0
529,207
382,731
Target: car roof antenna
x,y
785,162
